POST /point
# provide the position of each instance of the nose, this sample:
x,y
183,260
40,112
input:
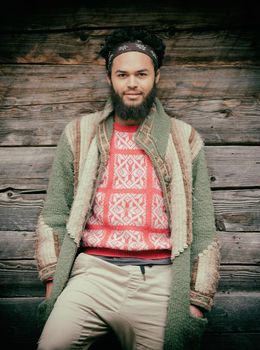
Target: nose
x,y
131,82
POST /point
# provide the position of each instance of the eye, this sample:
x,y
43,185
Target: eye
x,y
142,74
121,75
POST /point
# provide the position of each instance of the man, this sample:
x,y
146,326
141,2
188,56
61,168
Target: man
x,y
126,238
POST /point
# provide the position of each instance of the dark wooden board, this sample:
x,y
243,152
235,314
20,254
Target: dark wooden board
x,y
82,47
228,121
40,84
228,167
237,248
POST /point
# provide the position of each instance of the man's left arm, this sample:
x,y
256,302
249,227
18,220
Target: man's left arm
x,y
205,255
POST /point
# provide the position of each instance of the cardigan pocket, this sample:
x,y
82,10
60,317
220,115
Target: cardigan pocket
x,y
196,329
41,310
44,310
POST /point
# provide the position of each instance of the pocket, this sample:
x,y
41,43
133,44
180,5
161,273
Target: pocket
x,y
79,265
44,310
197,327
201,321
41,313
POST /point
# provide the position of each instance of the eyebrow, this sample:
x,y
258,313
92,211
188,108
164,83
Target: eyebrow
x,y
139,71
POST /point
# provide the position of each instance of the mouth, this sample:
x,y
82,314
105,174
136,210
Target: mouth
x,y
132,95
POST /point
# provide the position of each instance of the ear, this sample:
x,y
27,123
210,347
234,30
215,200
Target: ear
x,y
157,76
108,79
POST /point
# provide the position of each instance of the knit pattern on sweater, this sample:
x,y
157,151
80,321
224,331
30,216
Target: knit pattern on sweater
x,y
128,217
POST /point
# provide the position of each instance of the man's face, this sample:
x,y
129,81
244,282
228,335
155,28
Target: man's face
x,y
133,82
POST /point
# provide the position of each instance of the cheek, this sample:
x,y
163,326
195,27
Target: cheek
x,y
118,85
147,87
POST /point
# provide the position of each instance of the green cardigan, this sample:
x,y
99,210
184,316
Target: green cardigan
x,y
177,153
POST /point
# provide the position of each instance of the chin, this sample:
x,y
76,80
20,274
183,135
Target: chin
x,y
133,103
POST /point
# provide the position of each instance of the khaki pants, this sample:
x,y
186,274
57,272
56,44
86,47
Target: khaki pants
x,y
100,296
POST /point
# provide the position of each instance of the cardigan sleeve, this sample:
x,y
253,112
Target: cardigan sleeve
x,y
51,226
205,257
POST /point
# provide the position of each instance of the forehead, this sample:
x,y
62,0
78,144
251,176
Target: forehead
x,y
132,61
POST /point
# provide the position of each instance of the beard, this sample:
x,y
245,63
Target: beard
x,y
133,112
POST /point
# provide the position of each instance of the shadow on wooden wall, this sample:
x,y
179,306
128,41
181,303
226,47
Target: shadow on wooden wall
x,y
50,73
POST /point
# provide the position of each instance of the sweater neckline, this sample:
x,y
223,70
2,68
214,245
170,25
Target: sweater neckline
x,y
125,128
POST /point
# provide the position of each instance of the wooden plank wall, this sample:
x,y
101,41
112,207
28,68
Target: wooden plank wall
x,y
50,73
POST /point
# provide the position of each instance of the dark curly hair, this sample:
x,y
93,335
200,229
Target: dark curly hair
x,y
120,36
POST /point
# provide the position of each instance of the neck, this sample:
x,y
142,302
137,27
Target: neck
x,y
128,122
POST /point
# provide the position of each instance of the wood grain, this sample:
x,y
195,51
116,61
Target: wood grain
x,y
41,84
237,248
20,279
218,121
235,210
30,167
81,46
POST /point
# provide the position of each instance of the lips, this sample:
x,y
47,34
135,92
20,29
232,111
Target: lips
x,y
132,93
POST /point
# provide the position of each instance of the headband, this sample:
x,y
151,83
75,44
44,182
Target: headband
x,y
128,46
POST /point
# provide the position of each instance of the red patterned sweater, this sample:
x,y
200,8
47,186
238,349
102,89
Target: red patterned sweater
x,y
128,218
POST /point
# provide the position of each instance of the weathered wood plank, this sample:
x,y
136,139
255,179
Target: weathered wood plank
x,y
237,248
240,248
233,166
19,322
41,84
20,279
218,121
228,166
28,166
19,210
82,47
231,341
165,14
235,278
17,245
233,312
235,210
40,124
